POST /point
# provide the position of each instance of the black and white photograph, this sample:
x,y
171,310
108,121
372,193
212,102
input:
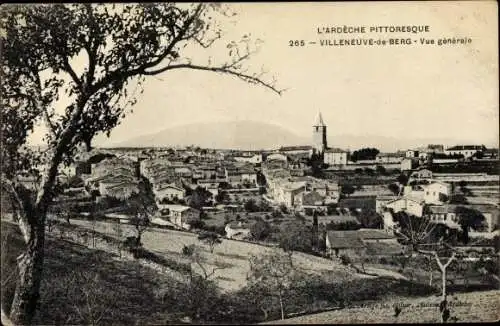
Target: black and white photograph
x,y
249,163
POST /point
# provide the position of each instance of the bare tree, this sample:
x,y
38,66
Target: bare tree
x,y
93,308
118,231
122,45
274,272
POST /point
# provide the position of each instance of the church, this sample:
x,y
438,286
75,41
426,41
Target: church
x,y
331,156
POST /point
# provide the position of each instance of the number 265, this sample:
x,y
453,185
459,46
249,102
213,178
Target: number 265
x,y
296,43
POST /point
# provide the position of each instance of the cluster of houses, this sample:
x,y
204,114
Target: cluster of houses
x,y
429,197
299,192
113,177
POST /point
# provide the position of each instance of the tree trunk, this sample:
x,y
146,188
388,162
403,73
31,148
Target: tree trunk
x,y
30,265
430,279
443,278
281,307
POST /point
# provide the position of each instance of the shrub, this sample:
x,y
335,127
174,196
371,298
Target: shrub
x,y
345,260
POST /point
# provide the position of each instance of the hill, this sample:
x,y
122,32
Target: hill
x,y
250,135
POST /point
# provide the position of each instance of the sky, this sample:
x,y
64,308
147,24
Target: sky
x,y
406,91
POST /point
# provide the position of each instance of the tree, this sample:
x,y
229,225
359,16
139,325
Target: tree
x,y
211,239
403,179
118,230
295,236
199,198
120,46
370,219
260,230
141,211
469,218
201,290
251,206
381,170
274,273
222,197
347,189
364,154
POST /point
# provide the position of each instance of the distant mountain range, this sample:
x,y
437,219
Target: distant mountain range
x,y
253,135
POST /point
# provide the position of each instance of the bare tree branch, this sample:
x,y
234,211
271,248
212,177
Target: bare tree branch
x,y
223,70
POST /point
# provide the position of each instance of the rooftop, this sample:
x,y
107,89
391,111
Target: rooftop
x,y
344,239
466,147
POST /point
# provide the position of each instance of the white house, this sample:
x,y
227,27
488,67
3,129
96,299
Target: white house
x,y
253,159
237,230
180,215
276,157
433,193
421,174
169,192
406,204
335,156
466,150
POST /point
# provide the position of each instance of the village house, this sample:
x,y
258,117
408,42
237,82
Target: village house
x,y
301,150
340,243
447,214
335,156
122,190
412,206
466,150
180,215
211,185
388,158
238,230
437,192
169,192
290,193
376,236
249,158
421,174
183,172
408,164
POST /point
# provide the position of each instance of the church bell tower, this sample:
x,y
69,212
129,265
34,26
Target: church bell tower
x,y
319,135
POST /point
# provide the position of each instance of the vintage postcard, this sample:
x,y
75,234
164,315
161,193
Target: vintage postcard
x,y
248,163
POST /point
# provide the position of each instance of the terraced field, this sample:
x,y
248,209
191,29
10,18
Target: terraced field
x,y
464,307
230,257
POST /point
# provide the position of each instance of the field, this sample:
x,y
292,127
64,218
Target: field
x,y
465,307
232,257
79,282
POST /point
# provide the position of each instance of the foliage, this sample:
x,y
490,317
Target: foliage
x,y
274,273
343,226
370,219
469,218
295,236
199,198
119,45
222,197
210,238
347,189
403,179
251,206
381,170
364,154
458,199
260,230
345,260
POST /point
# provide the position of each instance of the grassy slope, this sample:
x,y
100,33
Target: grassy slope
x,y
469,307
233,255
125,289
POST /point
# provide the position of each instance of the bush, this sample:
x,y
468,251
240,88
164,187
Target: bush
x,y
345,260
383,261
